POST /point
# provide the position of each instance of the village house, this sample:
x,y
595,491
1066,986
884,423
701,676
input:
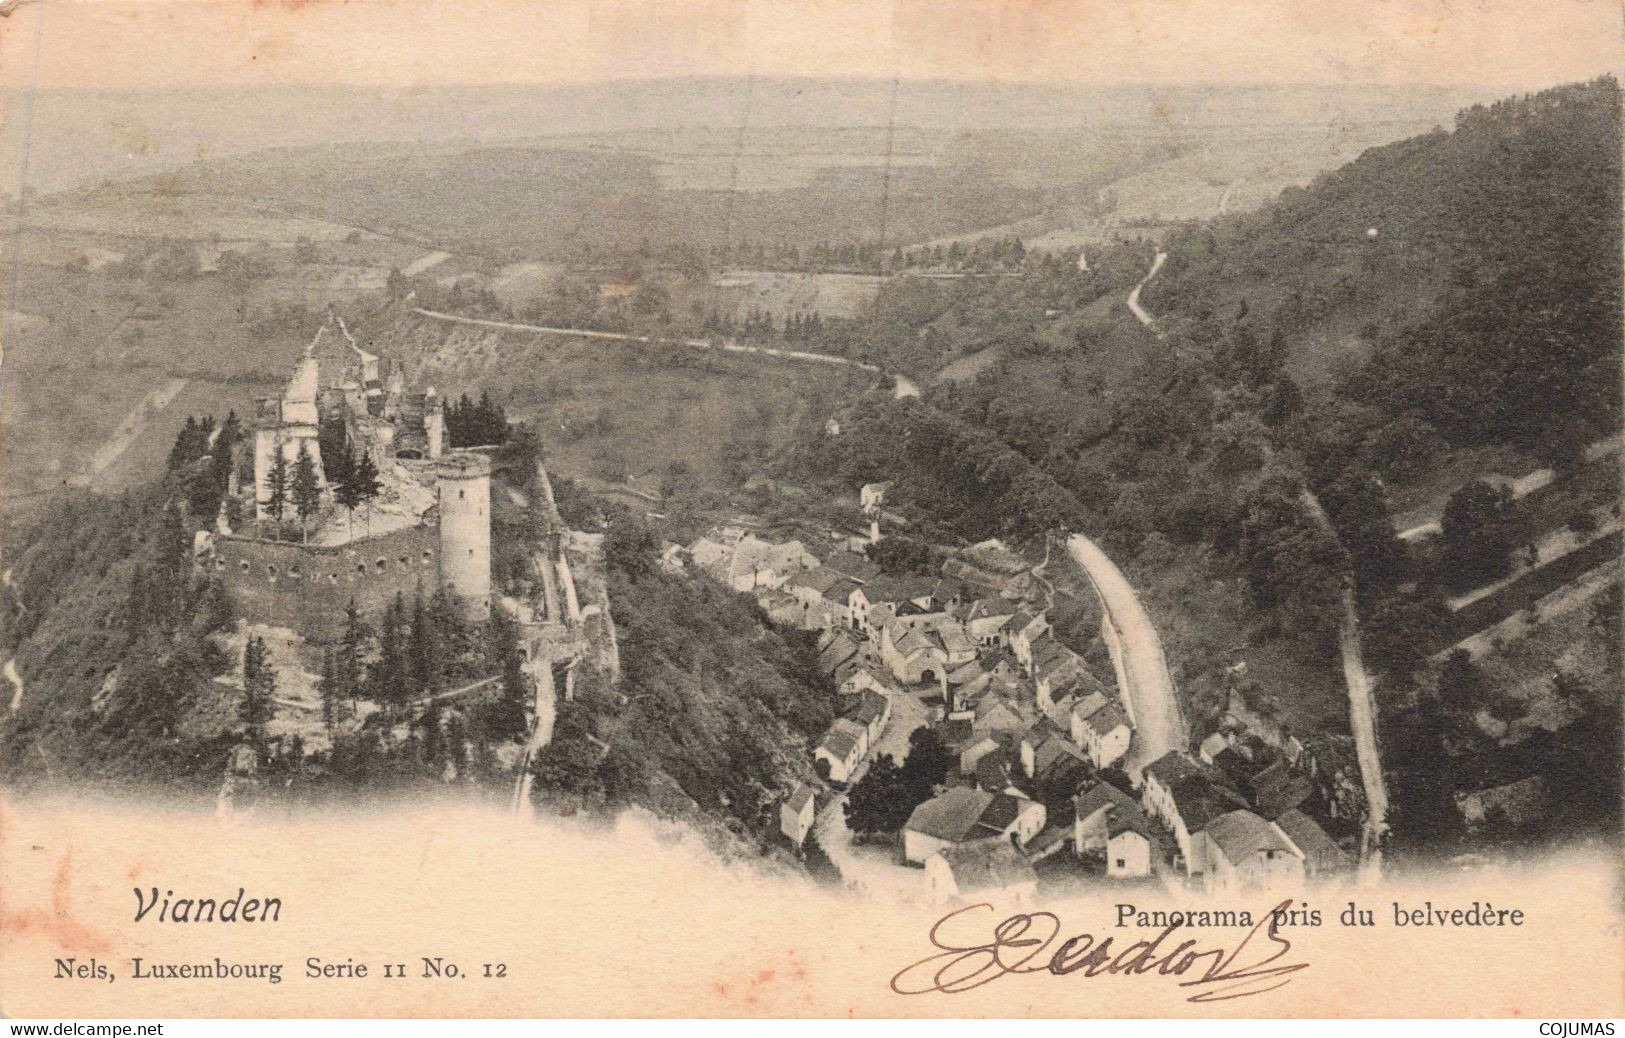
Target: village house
x,y
1321,854
982,869
859,675
979,746
1104,734
872,497
1054,668
1241,851
871,710
1024,631
913,655
782,609
987,622
1108,823
1041,744
960,815
822,595
1213,745
797,812
842,748
758,563
1185,797
966,684
853,567
995,713
958,648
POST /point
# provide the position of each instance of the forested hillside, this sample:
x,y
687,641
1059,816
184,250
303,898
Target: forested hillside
x,y
1477,276
1467,279
715,714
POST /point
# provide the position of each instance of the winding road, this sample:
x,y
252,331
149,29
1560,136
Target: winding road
x,y
1143,677
1141,314
903,385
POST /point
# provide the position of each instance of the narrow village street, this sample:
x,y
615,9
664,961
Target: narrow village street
x,y
874,869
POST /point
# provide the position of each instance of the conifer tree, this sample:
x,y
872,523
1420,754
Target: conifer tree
x,y
364,479
348,666
307,491
277,485
334,708
258,704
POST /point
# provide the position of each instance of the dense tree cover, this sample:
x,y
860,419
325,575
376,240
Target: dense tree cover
x,y
956,477
118,638
1476,545
475,423
880,803
1483,266
716,711
110,630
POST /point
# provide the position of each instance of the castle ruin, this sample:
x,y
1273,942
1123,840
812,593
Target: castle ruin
x,y
429,525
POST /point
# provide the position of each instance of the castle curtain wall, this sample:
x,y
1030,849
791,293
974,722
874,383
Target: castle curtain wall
x,y
307,589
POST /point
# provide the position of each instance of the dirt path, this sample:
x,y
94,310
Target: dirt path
x,y
16,680
1362,717
1521,487
874,870
904,386
134,424
1141,314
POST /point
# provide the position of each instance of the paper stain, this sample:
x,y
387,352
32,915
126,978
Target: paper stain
x,y
56,923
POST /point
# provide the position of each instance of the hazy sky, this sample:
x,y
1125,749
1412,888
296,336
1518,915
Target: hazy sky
x,y
1515,44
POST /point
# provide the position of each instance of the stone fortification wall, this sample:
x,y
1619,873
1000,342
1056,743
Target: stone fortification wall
x,y
308,589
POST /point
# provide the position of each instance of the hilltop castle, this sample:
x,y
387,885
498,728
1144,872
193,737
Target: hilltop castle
x,y
430,524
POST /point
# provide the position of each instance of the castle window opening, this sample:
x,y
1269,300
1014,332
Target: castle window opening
x,y
381,564
459,495
271,569
427,558
293,571
361,567
245,565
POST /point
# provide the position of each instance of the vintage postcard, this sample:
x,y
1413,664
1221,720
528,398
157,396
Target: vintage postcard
x,y
810,508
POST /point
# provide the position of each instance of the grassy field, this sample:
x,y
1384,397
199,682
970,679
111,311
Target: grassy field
x,y
617,411
832,295
98,346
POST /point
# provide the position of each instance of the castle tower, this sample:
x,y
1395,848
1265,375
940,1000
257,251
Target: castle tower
x,y
465,528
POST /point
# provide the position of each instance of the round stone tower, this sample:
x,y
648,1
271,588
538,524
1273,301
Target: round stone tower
x,y
465,528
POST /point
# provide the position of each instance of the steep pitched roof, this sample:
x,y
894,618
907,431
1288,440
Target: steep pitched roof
x,y
1242,834
818,580
954,638
1200,800
1124,813
1312,840
951,815
870,707
1171,767
1107,720
840,743
800,797
984,865
853,566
